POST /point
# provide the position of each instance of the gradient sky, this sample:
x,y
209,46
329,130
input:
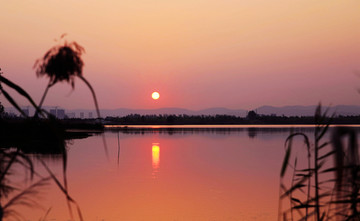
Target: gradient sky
x,y
196,53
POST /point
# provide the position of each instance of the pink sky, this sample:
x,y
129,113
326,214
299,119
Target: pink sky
x,y
196,53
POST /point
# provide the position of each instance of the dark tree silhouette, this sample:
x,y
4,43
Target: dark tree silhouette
x,y
252,115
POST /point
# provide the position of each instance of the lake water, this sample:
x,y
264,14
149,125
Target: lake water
x,y
169,175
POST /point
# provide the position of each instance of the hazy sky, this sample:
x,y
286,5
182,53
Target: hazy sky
x,y
196,53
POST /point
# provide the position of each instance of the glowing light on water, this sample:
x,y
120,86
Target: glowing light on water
x,y
155,159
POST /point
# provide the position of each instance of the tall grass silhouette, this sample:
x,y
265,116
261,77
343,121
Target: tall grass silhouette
x,y
328,188
60,63
19,90
63,62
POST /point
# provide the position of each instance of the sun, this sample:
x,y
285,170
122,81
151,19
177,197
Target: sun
x,y
155,95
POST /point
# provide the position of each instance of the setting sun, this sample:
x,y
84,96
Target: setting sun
x,y
155,95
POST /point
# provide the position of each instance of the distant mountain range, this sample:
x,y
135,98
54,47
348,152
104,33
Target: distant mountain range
x,y
267,110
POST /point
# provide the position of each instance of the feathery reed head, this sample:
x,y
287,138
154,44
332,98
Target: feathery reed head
x,y
61,63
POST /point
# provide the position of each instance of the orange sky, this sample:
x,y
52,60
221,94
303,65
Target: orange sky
x,y
196,53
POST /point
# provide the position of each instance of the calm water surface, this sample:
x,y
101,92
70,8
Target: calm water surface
x,y
182,175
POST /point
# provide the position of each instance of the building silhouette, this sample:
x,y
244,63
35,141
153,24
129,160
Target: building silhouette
x,y
58,113
70,115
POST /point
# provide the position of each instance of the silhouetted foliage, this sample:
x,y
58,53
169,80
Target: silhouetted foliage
x,y
20,91
39,136
1,106
252,115
314,195
137,119
61,63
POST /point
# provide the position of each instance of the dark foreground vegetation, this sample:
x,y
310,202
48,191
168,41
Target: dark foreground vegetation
x,y
27,139
324,184
43,136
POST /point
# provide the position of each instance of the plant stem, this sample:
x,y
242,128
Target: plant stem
x,y
316,167
93,94
43,98
309,183
292,204
97,111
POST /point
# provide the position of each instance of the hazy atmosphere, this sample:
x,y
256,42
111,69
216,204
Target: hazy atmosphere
x,y
196,54
186,110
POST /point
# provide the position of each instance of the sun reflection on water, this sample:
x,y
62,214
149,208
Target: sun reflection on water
x,y
155,159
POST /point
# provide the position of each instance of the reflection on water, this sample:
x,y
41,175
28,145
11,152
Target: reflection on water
x,y
205,175
209,129
155,159
118,153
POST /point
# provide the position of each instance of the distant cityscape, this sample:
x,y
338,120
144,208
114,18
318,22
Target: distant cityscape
x,y
57,112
